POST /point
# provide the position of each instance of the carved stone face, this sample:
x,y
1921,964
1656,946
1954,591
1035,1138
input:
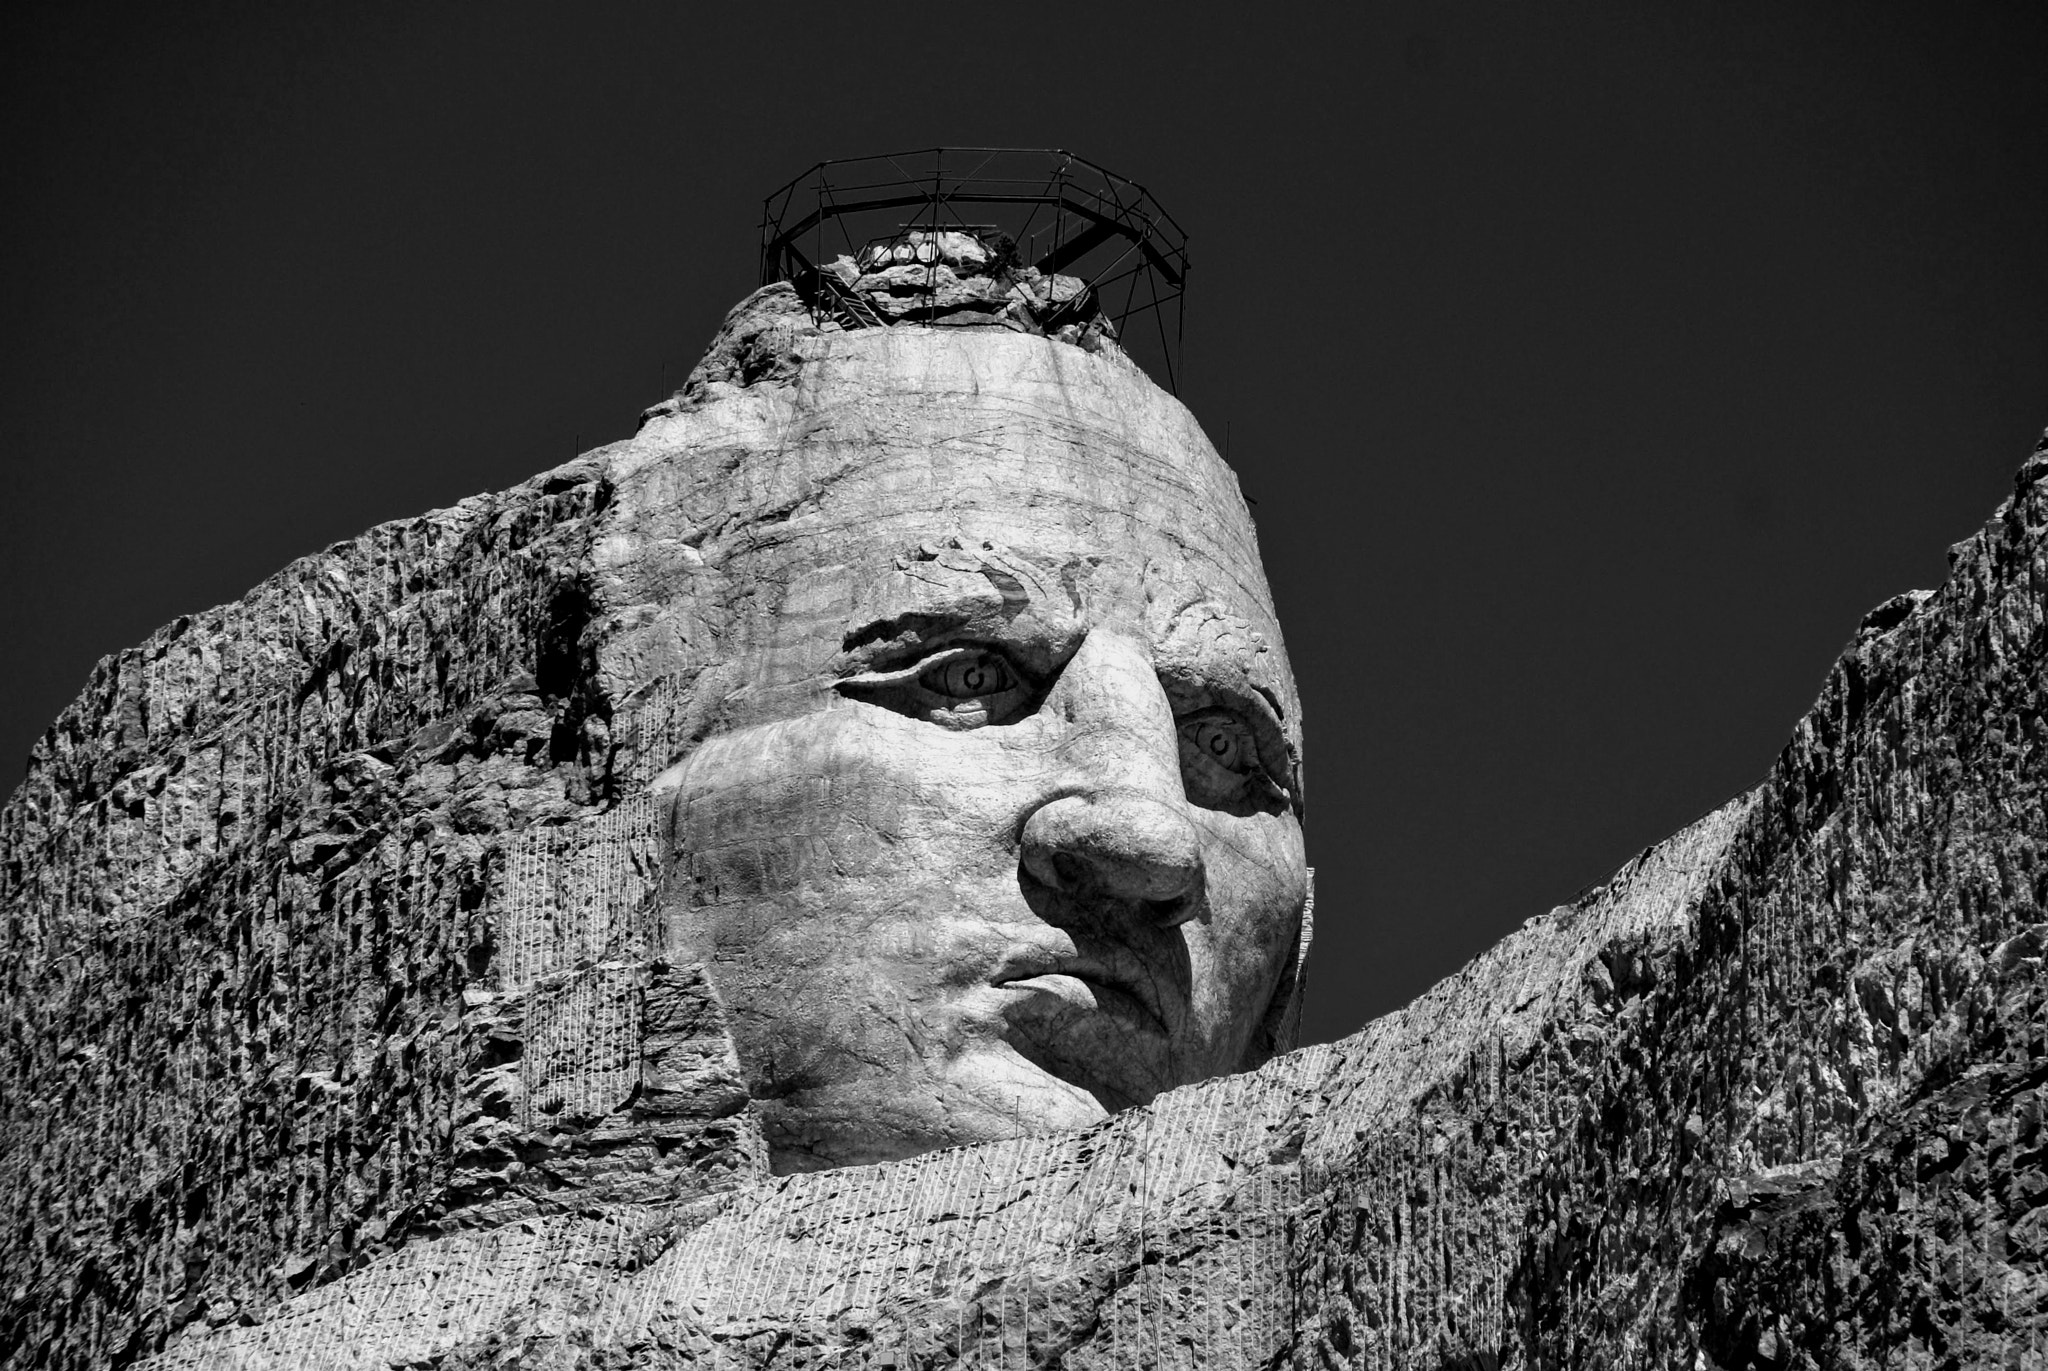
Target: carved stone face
x,y
999,826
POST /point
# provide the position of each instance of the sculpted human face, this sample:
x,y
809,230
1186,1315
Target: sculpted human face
x,y
1002,829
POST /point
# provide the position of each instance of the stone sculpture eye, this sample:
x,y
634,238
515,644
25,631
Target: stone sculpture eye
x,y
1220,768
969,676
954,687
1216,740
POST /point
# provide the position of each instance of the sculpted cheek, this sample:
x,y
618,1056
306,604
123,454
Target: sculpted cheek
x,y
816,802
1254,861
1257,886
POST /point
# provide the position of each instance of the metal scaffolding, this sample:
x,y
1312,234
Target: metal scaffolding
x,y
1056,212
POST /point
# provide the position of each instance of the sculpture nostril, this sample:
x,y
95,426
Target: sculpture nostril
x,y
1177,910
1052,869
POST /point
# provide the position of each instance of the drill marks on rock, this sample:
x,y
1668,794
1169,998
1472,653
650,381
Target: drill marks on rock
x,y
576,893
293,1096
972,1254
223,799
332,669
424,1303
583,1046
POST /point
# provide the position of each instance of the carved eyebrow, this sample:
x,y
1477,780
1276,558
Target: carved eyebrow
x,y
1239,644
1272,701
1182,677
1257,700
917,623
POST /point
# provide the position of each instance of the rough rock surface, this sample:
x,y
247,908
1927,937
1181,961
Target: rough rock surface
x,y
956,278
338,1035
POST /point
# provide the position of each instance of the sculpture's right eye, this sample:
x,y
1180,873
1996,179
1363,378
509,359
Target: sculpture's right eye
x,y
969,676
955,687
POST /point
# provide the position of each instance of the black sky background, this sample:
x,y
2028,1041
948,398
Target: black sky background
x,y
1594,366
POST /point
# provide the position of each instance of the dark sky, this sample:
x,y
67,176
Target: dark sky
x,y
1594,366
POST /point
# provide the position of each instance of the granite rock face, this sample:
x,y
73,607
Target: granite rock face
x,y
890,747
365,1009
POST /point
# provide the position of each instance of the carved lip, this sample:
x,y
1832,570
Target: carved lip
x,y
1138,1001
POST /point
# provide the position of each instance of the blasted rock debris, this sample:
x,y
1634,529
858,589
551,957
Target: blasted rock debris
x,y
386,985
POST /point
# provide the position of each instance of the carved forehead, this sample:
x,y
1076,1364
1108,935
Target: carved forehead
x,y
1019,481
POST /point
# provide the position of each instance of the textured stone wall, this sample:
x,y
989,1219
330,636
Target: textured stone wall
x,y
316,912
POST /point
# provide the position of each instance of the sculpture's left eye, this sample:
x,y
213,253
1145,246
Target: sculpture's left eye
x,y
1217,740
1219,765
955,687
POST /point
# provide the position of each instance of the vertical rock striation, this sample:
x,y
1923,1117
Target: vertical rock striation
x,y
287,968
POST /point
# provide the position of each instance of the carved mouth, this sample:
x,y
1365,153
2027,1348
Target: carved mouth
x,y
1089,1031
1077,1020
1089,992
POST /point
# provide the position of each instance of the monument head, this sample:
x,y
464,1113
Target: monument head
x,y
988,819
1000,824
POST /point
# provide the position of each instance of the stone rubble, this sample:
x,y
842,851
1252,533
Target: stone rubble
x,y
955,279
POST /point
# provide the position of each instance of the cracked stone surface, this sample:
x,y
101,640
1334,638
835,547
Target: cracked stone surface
x,y
606,924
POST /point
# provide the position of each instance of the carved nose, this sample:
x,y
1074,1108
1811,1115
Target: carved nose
x,y
1120,843
1121,827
